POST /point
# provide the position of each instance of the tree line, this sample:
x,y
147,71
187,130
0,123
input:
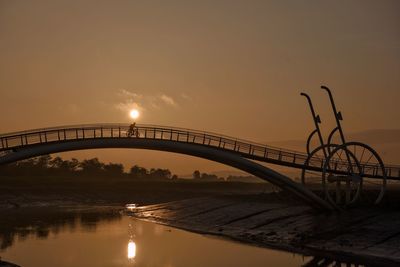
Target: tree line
x,y
56,166
47,165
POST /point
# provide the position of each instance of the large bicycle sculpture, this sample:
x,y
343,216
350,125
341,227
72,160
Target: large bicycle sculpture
x,y
343,180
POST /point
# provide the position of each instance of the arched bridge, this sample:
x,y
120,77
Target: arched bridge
x,y
223,149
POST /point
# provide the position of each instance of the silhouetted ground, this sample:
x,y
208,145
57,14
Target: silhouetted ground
x,y
42,191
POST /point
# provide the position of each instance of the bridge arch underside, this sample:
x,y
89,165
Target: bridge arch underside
x,y
214,154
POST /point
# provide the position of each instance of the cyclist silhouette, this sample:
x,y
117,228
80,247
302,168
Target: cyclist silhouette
x,y
133,131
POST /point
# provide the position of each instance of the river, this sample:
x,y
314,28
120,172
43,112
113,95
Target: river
x,y
88,237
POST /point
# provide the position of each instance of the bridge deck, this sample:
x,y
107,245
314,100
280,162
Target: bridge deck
x,y
13,142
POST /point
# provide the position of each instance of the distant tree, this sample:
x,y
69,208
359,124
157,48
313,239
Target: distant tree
x,y
43,162
72,165
166,173
138,172
56,163
91,166
25,167
65,166
33,166
38,166
209,177
46,165
114,169
160,173
196,175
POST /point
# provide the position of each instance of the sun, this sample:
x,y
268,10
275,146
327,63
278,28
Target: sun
x,y
134,113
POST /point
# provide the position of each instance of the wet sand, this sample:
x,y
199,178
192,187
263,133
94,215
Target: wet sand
x,y
370,237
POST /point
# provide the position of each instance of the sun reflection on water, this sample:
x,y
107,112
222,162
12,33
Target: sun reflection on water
x,y
131,250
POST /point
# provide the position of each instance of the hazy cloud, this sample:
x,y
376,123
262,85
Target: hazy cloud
x,y
168,100
128,100
127,94
127,105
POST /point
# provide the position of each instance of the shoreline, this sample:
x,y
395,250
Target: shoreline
x,y
337,251
232,235
337,255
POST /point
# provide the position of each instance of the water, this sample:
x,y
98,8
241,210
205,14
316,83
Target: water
x,y
87,237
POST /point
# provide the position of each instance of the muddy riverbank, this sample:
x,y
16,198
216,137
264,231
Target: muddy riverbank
x,y
370,237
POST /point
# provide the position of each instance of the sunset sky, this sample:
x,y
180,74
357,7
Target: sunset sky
x,y
232,67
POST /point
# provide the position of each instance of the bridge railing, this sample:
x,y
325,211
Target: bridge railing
x,y
247,149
